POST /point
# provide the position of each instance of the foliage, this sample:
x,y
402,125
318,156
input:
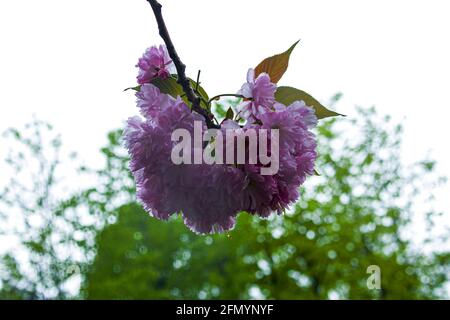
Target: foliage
x,y
351,216
52,232
276,65
288,95
33,217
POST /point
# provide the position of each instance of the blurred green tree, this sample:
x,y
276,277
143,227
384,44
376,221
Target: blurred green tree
x,y
349,218
49,234
355,214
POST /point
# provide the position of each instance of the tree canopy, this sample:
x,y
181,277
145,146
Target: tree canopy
x,y
350,216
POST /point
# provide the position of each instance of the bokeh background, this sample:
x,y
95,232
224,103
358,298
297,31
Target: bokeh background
x,y
69,224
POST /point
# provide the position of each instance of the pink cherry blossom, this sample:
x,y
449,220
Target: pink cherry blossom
x,y
155,63
260,93
210,196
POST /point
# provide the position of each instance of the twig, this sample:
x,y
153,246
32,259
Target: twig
x,y
198,81
226,95
180,66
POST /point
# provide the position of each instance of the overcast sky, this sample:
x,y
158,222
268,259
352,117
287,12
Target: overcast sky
x,y
69,61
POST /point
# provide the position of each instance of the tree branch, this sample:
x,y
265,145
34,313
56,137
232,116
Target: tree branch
x,y
180,66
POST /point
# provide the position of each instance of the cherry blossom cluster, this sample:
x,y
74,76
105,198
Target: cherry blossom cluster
x,y
210,196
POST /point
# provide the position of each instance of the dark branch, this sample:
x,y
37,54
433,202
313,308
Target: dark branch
x,y
181,68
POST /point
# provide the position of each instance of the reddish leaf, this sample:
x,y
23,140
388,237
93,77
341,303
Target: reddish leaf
x,y
276,65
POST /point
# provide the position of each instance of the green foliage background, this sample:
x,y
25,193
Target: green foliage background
x,y
353,215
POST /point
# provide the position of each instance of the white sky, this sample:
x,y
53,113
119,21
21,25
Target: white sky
x,y
69,61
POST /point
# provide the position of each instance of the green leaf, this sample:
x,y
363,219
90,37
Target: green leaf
x,y
172,87
276,65
169,86
137,88
199,90
288,95
229,114
220,110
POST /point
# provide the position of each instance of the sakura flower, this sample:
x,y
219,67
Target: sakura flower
x,y
307,113
150,101
260,93
155,63
207,196
292,123
297,155
210,196
259,192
